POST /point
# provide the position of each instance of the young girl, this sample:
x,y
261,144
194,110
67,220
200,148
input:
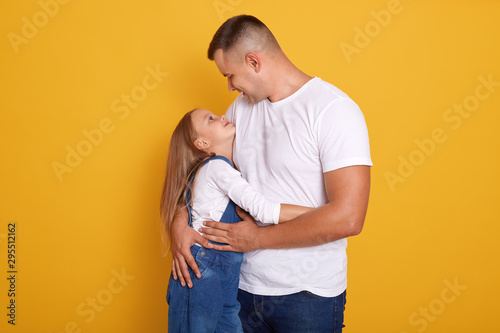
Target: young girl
x,y
201,177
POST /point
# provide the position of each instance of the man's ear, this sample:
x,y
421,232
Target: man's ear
x,y
253,60
201,144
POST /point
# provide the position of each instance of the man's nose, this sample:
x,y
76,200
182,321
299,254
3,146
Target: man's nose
x,y
230,85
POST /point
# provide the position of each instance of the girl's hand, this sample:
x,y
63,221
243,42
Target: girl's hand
x,y
183,237
240,236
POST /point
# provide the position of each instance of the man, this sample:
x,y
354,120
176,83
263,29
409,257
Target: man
x,y
301,141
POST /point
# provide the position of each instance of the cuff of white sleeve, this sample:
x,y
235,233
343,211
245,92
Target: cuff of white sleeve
x,y
276,213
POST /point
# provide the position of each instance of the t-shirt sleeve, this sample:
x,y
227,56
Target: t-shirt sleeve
x,y
229,181
342,136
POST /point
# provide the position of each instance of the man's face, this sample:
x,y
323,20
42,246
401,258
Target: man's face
x,y
241,76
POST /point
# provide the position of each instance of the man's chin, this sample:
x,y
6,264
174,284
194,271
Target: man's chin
x,y
247,98
251,100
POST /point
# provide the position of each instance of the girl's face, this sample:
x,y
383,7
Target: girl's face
x,y
213,131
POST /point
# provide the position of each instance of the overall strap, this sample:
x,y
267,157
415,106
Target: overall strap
x,y
219,157
188,191
188,200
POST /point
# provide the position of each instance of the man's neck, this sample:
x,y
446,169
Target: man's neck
x,y
288,81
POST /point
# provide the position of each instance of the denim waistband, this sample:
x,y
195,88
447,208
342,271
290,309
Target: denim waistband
x,y
230,258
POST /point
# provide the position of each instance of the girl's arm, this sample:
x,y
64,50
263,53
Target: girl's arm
x,y
289,212
229,180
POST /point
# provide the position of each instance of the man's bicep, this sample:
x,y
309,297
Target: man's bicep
x,y
348,190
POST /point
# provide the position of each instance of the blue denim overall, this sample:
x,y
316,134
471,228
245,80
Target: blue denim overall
x,y
211,304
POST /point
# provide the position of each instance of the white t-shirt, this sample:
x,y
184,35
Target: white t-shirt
x,y
216,182
283,149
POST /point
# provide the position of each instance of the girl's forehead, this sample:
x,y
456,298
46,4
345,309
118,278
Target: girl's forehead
x,y
197,114
198,118
201,113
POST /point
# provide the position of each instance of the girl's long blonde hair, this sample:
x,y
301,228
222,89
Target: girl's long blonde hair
x,y
183,161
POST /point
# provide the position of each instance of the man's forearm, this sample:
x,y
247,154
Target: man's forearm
x,y
348,190
322,225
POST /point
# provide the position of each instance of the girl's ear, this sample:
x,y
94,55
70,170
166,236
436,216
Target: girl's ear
x,y
201,144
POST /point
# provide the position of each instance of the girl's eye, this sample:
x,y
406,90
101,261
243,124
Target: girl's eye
x,y
211,119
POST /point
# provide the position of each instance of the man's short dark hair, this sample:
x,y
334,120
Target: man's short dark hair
x,y
231,31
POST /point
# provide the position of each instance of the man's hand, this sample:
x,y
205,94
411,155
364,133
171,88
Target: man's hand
x,y
240,236
183,237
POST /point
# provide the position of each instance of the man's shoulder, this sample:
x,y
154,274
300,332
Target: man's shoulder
x,y
323,96
326,89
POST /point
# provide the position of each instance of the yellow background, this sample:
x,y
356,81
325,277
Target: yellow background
x,y
436,225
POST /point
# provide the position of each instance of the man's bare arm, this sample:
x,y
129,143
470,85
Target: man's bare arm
x,y
183,237
289,212
348,190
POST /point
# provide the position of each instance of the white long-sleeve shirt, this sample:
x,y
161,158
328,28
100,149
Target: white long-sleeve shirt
x,y
216,183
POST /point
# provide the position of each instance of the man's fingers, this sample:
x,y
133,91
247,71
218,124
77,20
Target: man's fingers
x,y
194,266
224,248
203,242
214,238
216,229
217,225
241,213
184,276
174,269
213,232
179,273
214,235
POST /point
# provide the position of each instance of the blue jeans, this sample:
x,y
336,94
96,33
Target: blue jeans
x,y
210,305
298,313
